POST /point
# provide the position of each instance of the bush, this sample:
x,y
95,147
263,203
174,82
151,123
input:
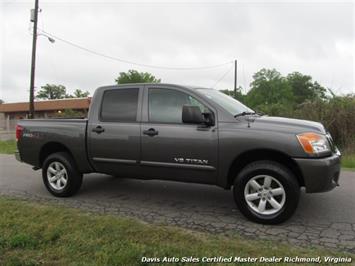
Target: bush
x,y
337,114
70,113
275,109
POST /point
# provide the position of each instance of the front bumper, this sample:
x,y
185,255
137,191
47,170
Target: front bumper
x,y
18,156
320,175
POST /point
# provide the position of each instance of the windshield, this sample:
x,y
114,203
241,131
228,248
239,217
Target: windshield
x,y
228,103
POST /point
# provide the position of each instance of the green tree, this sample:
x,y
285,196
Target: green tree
x,y
239,95
304,88
270,91
51,91
133,76
70,113
1,101
80,94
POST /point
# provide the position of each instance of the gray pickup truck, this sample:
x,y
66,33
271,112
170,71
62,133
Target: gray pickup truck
x,y
187,134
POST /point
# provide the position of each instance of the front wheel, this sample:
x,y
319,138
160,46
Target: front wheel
x,y
60,175
266,192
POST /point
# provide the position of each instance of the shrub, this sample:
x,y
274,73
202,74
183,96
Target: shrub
x,y
337,114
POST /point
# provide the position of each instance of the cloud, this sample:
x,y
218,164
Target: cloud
x,y
313,38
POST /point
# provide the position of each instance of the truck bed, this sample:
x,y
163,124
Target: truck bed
x,y
41,133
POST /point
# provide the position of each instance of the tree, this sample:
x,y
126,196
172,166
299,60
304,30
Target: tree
x,y
79,94
270,93
1,101
133,76
304,88
51,91
239,95
70,113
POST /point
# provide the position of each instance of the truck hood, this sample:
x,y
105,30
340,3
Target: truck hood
x,y
289,125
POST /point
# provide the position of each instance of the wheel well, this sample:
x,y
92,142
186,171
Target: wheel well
x,y
51,148
256,155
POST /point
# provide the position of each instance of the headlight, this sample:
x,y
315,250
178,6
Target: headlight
x,y
313,143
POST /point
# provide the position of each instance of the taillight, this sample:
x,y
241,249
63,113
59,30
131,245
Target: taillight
x,y
19,130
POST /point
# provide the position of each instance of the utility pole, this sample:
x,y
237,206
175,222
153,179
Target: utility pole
x,y
34,19
235,78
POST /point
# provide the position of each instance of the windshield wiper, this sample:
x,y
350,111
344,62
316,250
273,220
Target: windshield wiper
x,y
245,113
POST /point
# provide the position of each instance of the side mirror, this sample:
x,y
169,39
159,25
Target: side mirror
x,y
192,115
209,119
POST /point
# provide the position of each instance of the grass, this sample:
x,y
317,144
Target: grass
x,y
348,161
7,146
32,234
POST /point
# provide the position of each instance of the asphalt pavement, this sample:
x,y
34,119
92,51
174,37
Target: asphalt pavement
x,y
324,219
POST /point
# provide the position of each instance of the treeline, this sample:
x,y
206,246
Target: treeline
x,y
53,91
298,96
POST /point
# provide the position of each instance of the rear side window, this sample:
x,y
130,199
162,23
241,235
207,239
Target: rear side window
x,y
120,105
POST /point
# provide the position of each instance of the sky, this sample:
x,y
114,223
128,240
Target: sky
x,y
314,38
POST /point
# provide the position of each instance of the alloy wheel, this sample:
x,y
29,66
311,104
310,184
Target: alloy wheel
x,y
57,175
264,194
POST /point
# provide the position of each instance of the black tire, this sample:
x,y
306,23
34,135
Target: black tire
x,y
277,171
72,175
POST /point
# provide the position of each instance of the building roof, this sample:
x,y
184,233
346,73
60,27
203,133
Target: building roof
x,y
47,105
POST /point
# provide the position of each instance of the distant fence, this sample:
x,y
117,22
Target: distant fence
x,y
7,135
7,130
12,124
7,124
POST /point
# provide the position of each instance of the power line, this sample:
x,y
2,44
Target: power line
x,y
131,62
223,76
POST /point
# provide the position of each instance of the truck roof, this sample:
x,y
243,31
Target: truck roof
x,y
191,87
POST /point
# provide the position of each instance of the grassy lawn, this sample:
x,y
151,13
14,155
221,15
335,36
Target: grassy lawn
x,y
348,161
7,147
31,234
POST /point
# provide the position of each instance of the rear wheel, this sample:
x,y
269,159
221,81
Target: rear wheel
x,y
266,192
60,175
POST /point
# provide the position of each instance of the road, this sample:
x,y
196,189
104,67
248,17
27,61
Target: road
x,y
325,219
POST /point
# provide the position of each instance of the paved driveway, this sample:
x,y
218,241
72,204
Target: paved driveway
x,y
326,219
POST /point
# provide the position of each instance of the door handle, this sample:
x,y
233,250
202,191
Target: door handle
x,y
98,129
150,132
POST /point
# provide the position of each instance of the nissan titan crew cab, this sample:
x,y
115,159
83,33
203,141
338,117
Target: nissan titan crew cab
x,y
187,134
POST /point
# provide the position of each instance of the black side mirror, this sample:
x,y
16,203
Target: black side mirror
x,y
209,119
192,115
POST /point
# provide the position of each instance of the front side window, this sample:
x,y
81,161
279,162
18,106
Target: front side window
x,y
165,105
120,105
